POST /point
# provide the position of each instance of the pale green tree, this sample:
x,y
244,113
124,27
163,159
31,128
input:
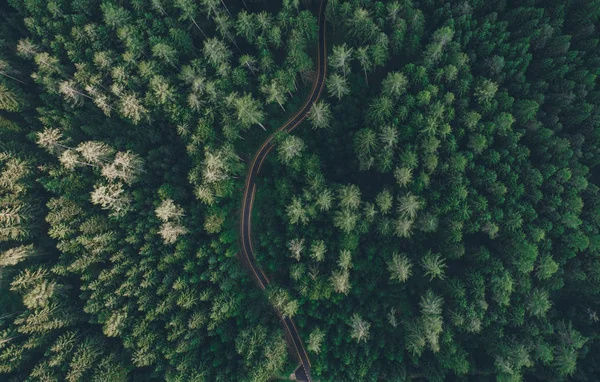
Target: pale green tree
x,y
84,357
168,210
71,159
248,110
166,53
403,176
113,327
51,140
345,259
246,25
364,59
341,58
340,281
485,91
94,152
435,49
131,107
274,92
296,212
216,52
388,136
72,95
162,91
546,267
324,200
114,15
216,167
409,205
384,201
171,231
318,250
432,321
282,301
296,247
345,220
14,255
337,86
290,148
249,62
394,84
359,328
26,48
111,197
349,196
365,143
380,109
126,166
361,25
400,267
539,303
315,340
320,115
434,265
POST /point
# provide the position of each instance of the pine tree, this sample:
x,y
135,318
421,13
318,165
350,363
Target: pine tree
x,y
248,111
296,212
168,210
384,201
434,265
111,197
131,107
539,302
216,52
409,205
51,140
363,56
340,281
318,250
320,115
315,340
431,316
126,166
345,259
290,148
171,231
97,153
394,84
274,93
349,196
485,91
9,98
296,247
403,176
324,200
400,267
359,328
15,255
345,220
340,58
337,86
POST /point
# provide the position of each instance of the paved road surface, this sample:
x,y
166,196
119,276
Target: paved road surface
x,y
250,189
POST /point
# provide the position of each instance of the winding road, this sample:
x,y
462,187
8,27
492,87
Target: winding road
x,y
250,189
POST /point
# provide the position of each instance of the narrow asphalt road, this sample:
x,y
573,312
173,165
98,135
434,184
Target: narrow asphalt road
x,y
250,188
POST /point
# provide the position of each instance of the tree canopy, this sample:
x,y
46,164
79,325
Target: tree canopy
x,y
436,216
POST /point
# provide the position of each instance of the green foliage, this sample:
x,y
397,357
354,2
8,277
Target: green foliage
x,y
440,220
458,155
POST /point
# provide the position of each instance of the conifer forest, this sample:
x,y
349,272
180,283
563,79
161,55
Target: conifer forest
x,y
311,190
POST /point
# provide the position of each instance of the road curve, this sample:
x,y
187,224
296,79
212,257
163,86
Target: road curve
x,y
247,252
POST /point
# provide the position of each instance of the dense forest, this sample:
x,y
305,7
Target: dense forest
x,y
435,217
